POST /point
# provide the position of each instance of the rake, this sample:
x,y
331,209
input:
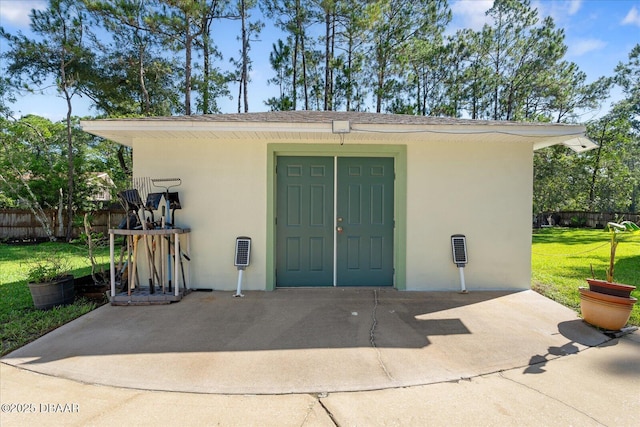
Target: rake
x,y
143,186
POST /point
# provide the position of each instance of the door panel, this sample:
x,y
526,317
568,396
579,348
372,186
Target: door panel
x,y
365,204
304,228
305,221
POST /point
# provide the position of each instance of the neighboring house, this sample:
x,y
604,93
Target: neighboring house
x,y
348,199
101,185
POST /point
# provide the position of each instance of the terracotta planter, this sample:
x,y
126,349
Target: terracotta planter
x,y
605,311
609,288
50,294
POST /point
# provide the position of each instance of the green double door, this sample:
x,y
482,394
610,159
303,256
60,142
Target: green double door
x,y
334,221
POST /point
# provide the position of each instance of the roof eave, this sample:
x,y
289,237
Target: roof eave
x,y
121,131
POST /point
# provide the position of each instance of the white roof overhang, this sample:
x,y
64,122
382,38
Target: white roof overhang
x,y
342,127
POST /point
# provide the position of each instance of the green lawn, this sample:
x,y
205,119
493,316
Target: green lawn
x,y
562,260
20,322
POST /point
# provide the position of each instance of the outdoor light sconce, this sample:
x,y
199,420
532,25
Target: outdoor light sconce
x,y
341,126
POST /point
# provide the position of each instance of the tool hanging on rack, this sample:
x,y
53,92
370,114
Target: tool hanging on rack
x,y
143,186
131,202
171,199
172,202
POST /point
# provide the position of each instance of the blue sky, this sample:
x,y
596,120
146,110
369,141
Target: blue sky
x,y
599,34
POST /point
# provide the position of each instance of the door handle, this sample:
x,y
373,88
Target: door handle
x,y
339,229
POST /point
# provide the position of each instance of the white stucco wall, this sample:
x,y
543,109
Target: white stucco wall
x,y
223,194
482,190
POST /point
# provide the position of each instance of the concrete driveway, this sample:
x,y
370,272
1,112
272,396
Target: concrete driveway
x,y
309,341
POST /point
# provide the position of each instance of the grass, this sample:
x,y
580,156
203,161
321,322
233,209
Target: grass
x,y
20,322
562,260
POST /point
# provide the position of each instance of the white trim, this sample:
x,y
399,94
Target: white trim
x,y
524,130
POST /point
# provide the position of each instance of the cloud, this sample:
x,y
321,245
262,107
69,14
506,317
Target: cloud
x,y
16,12
632,18
584,46
559,10
574,7
471,13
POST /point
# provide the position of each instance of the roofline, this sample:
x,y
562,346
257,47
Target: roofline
x,y
550,133
519,129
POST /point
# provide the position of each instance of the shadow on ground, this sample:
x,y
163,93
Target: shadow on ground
x,y
307,340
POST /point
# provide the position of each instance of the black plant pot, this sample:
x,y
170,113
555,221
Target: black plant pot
x,y
86,287
50,294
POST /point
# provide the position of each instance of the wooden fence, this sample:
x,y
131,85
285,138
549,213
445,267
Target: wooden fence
x,y
583,219
19,224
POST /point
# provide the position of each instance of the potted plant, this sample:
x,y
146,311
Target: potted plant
x,y
609,286
50,283
608,304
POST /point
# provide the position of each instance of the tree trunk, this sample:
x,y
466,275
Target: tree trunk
x,y
349,88
32,204
70,164
294,66
146,103
596,167
122,162
60,231
245,57
327,61
303,55
188,42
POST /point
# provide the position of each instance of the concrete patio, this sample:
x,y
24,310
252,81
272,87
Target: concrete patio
x,y
308,341
330,356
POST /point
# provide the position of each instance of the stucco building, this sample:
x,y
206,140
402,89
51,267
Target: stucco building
x,y
345,198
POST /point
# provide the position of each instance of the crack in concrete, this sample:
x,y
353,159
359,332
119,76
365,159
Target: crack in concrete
x,y
309,410
551,397
372,336
333,420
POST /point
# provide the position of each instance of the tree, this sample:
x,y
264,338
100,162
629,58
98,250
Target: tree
x,y
292,16
62,55
427,60
280,59
247,31
565,93
185,25
520,53
610,182
213,83
15,160
34,167
394,27
348,72
134,79
560,180
628,78
473,49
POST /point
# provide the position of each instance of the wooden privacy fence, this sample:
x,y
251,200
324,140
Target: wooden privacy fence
x,y
22,224
583,219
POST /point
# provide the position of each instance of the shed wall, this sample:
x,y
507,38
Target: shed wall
x,y
463,188
223,196
451,188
